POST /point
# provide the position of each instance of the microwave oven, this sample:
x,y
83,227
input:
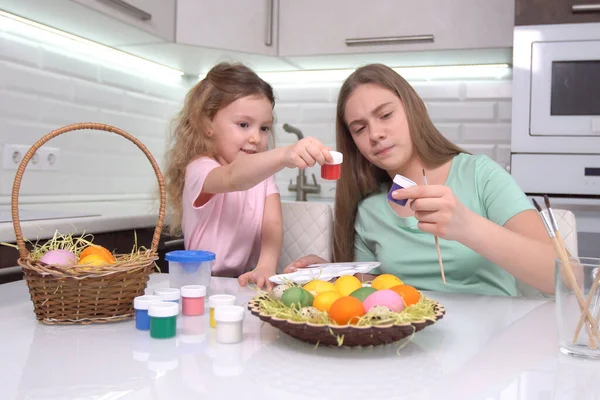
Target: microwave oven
x,y
555,133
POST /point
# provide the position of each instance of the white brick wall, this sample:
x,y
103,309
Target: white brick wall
x,y
42,90
473,114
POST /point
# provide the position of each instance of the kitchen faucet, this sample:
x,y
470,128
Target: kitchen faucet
x,y
302,188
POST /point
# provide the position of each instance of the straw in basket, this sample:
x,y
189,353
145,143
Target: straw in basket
x,y
78,296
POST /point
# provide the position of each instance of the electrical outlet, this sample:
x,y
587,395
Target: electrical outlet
x,y
49,158
45,159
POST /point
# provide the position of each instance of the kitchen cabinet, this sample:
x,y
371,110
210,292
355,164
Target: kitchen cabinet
x,y
314,27
110,22
156,17
542,12
239,25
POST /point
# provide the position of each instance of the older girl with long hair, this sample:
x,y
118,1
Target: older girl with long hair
x,y
490,235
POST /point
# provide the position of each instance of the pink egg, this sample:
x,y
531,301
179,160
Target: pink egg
x,y
59,257
387,298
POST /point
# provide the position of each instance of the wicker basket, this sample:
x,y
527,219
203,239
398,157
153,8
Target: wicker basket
x,y
76,296
353,336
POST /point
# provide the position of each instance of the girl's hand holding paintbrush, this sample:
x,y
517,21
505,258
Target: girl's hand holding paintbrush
x,y
438,210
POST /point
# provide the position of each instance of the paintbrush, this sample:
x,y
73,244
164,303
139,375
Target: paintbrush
x,y
554,225
596,279
592,327
437,243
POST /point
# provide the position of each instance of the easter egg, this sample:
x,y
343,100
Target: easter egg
x,y
98,250
316,286
347,284
323,301
297,297
93,259
385,281
59,257
380,311
346,310
278,291
362,293
309,313
409,294
387,298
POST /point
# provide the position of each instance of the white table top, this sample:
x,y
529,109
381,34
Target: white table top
x,y
484,348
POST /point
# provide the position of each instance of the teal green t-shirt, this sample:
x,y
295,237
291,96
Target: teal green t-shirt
x,y
403,250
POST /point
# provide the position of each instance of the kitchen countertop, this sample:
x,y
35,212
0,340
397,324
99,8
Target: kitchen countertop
x,y
106,216
485,348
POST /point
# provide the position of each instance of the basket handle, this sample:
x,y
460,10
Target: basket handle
x,y
23,252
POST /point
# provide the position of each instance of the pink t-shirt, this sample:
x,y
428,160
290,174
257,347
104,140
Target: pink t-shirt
x,y
229,224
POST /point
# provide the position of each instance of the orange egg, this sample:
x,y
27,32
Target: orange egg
x,y
346,310
93,259
99,251
409,294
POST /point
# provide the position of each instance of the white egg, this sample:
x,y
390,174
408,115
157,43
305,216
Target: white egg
x,y
309,313
380,311
278,290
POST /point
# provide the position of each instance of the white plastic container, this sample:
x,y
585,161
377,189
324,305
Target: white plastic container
x,y
190,267
168,294
218,300
230,320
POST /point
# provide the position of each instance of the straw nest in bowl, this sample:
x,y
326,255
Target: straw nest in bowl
x,y
376,327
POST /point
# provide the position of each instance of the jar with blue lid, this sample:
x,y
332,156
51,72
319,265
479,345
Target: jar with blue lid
x,y
190,267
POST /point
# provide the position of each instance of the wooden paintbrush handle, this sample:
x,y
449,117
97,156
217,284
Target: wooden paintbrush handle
x,y
587,306
572,281
439,254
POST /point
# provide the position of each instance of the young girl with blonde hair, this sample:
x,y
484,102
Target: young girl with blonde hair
x,y
219,174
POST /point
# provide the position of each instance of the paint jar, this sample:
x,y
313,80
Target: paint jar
x,y
192,300
163,319
229,324
190,267
168,294
331,171
400,182
218,300
141,305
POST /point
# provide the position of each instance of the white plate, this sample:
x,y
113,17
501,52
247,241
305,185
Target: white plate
x,y
325,272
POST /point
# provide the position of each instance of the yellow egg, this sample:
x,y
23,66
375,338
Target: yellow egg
x,y
316,286
347,284
93,259
324,300
385,281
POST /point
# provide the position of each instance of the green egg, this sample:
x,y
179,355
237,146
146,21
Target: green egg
x,y
297,296
362,293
